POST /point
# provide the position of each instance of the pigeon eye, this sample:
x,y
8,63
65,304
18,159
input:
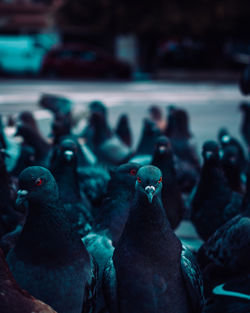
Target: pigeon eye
x,y
160,180
38,182
133,172
138,179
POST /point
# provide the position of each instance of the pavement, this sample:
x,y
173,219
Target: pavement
x,y
210,105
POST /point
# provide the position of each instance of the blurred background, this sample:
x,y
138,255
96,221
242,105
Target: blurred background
x,y
132,56
123,39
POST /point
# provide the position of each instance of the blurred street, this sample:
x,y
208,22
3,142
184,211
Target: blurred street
x,y
210,105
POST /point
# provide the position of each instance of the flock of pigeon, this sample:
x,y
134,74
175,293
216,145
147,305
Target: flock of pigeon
x,y
88,223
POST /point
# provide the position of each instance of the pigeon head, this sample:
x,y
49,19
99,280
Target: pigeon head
x,y
27,118
23,130
125,174
210,151
61,126
155,112
98,106
163,146
128,170
36,184
149,127
178,123
68,150
97,119
230,156
149,181
224,136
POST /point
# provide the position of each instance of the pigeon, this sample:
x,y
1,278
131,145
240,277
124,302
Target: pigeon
x,y
61,127
93,182
156,116
231,164
115,208
36,141
181,137
56,104
28,119
149,134
150,271
98,112
49,259
25,159
244,82
225,255
225,139
123,130
9,218
3,142
171,193
64,168
245,124
109,149
61,108
13,299
213,199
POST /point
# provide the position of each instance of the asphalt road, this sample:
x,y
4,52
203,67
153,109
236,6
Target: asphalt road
x,y
210,106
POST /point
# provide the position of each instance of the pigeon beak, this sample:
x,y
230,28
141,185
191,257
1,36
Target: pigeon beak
x,y
150,192
21,197
225,139
162,149
68,155
208,155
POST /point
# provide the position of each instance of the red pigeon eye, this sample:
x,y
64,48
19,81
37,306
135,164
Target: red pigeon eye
x,y
38,182
160,180
133,172
138,179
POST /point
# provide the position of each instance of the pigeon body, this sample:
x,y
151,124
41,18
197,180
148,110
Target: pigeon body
x,y
213,200
49,259
115,209
12,298
171,194
123,130
146,271
64,168
36,141
149,134
180,136
232,167
225,255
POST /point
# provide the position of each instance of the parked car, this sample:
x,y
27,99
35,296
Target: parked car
x,y
83,61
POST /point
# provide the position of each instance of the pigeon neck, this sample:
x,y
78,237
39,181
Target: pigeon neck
x,y
40,145
246,200
101,133
67,179
148,229
213,175
121,187
47,234
234,177
165,163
